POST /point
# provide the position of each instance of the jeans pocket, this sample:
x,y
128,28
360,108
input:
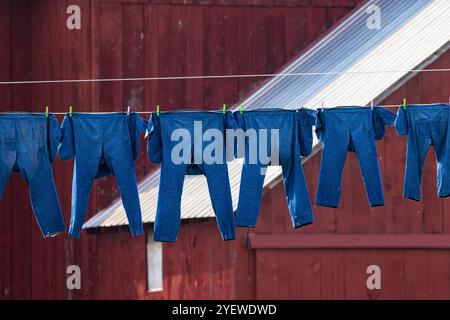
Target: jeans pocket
x,y
40,135
127,149
10,144
423,128
440,128
45,156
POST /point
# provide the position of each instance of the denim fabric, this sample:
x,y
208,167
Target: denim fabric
x,y
295,140
352,129
102,144
425,126
160,147
28,144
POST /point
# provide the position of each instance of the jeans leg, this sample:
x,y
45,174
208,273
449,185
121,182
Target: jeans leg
x,y
7,160
443,172
366,153
220,192
38,174
84,173
441,144
168,213
334,154
119,157
297,194
250,195
416,153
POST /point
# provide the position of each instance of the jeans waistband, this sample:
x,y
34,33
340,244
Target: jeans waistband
x,y
25,115
440,106
101,115
349,109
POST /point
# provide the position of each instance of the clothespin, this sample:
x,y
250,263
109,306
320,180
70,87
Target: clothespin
x,y
158,110
46,111
242,109
371,105
449,101
296,109
322,108
404,104
70,111
128,111
224,108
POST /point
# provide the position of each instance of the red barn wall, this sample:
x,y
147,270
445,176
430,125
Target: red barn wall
x,y
199,266
131,39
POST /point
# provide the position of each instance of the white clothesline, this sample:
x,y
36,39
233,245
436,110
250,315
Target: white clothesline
x,y
265,75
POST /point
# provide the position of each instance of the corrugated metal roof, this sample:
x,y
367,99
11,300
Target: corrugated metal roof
x,y
412,34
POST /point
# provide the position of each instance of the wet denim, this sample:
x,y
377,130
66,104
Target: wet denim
x,y
28,144
103,144
425,126
354,129
160,146
295,140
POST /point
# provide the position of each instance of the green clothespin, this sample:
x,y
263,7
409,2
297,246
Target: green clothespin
x,y
70,111
157,110
404,104
242,109
224,109
46,111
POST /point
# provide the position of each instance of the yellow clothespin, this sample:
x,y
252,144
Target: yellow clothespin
x,y
404,104
158,110
46,111
70,111
242,109
224,108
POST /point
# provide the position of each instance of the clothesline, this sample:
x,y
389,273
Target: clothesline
x,y
223,76
162,109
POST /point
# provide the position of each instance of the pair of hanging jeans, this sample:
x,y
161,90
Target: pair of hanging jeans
x,y
103,144
354,129
286,135
180,142
425,125
28,144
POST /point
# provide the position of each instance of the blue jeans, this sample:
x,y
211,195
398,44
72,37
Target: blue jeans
x,y
28,144
103,144
295,140
425,126
352,129
160,147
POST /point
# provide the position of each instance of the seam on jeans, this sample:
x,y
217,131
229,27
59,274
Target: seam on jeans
x,y
373,205
326,204
412,198
303,224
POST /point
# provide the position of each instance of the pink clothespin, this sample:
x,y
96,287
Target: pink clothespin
x,y
449,101
371,105
129,110
322,108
